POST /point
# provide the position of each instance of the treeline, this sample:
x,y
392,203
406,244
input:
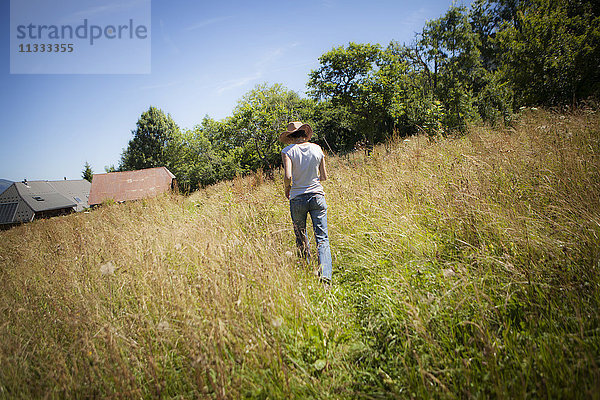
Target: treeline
x,y
470,65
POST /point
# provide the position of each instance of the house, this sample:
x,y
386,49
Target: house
x,y
4,184
131,185
78,190
29,200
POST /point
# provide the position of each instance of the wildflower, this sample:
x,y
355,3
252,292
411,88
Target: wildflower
x,y
107,269
277,322
163,326
448,273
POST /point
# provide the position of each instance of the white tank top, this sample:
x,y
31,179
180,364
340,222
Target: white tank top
x,y
306,159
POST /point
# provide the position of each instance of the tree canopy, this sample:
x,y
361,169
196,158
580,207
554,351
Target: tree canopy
x,y
470,65
154,143
87,172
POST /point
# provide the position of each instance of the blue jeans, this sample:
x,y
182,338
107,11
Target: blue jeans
x,y
313,203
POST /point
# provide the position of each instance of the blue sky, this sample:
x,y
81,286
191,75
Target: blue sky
x,y
204,57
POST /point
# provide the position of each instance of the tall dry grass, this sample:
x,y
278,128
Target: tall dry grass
x,y
474,261
158,297
463,267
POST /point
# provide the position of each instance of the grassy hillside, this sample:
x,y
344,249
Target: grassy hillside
x,y
463,268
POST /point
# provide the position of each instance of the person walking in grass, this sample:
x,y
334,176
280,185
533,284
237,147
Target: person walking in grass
x,y
304,170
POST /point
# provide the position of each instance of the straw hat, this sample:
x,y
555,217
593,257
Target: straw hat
x,y
294,127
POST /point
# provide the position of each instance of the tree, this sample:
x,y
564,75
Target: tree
x,y
343,74
550,52
485,21
403,92
407,80
87,172
345,78
202,162
451,47
259,117
334,126
155,142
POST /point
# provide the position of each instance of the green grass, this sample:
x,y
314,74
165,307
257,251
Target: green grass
x,y
464,267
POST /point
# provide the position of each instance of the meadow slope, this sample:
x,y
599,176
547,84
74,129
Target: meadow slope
x,y
464,267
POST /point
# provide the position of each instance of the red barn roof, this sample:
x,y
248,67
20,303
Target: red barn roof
x,y
130,185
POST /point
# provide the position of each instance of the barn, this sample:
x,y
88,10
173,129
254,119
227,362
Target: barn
x,y
131,185
29,200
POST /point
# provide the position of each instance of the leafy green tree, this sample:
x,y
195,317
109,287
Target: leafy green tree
x,y
464,66
346,78
87,172
485,21
259,117
452,47
551,51
494,101
410,79
344,73
334,126
202,162
404,90
156,142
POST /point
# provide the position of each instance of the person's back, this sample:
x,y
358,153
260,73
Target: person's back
x,y
306,159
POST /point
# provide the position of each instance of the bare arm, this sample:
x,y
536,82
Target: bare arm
x,y
287,174
322,170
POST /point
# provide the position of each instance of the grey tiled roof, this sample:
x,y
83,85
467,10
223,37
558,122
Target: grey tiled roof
x,y
41,196
77,190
